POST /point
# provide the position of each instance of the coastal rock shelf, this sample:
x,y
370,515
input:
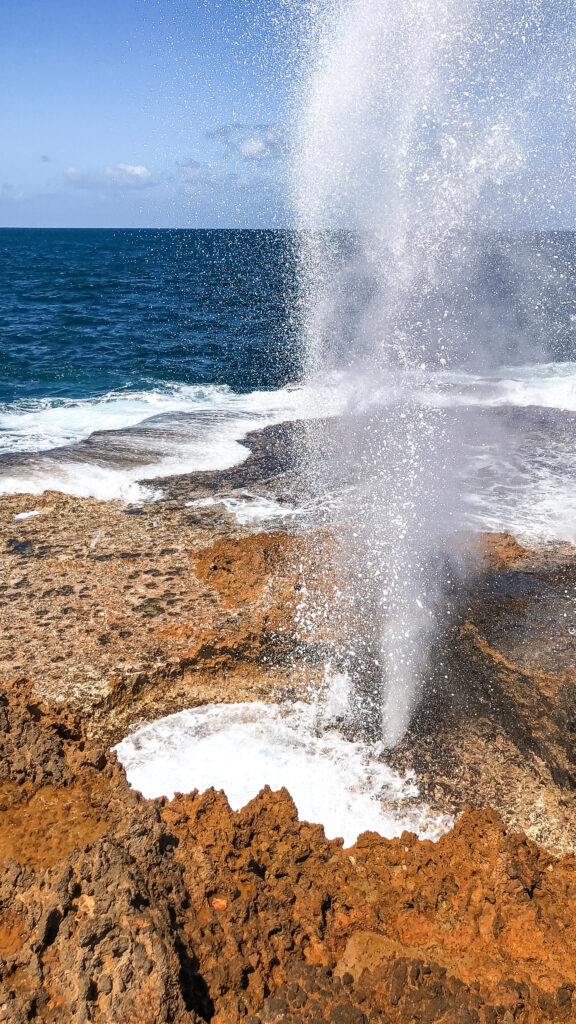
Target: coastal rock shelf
x,y
126,615
116,909
119,613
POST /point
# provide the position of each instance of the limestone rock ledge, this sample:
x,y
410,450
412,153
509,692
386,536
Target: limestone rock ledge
x,y
118,910
122,615
115,909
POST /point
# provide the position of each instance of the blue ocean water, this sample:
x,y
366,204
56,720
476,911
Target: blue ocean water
x,y
130,356
86,312
190,332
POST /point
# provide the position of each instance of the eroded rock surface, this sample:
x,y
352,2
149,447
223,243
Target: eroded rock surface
x,y
126,615
498,725
130,613
116,909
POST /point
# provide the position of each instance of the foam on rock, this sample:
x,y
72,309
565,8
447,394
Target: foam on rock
x,y
239,748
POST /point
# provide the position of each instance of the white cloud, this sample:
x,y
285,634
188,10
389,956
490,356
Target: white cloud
x,y
255,149
130,175
120,176
256,142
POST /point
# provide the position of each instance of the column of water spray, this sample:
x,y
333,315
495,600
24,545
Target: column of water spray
x,y
412,148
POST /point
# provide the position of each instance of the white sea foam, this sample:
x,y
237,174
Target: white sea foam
x,y
248,508
242,747
543,385
28,426
529,493
51,423
80,479
188,429
184,429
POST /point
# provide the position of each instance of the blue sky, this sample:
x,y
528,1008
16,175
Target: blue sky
x,y
144,112
176,112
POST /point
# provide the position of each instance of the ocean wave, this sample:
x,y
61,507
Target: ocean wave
x,y
105,448
544,385
111,447
49,423
79,479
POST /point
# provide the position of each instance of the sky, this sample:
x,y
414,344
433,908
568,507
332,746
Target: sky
x,y
145,113
179,113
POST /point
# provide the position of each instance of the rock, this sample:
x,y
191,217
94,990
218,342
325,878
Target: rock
x,y
233,622
115,909
140,627
498,727
125,921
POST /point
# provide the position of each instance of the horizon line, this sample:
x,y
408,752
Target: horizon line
x,y
115,227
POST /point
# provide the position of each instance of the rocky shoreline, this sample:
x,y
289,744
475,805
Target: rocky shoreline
x,y
118,909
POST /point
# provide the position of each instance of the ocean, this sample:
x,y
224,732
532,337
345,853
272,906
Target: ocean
x,y
194,334
104,317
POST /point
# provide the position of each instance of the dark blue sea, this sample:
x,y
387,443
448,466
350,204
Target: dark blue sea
x,y
101,330
85,312
130,356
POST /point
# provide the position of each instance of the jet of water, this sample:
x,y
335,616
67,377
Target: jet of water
x,y
430,129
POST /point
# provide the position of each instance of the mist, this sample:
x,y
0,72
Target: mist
x,y
421,178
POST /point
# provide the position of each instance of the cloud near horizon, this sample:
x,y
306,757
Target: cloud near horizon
x,y
236,184
131,176
119,176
